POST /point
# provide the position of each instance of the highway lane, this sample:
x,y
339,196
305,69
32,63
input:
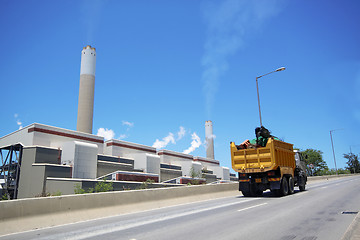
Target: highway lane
x,y
313,214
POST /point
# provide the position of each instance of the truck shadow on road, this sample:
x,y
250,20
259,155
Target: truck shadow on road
x,y
269,194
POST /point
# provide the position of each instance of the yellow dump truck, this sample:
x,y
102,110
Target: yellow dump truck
x,y
276,167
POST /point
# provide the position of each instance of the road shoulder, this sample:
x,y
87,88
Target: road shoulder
x,y
353,232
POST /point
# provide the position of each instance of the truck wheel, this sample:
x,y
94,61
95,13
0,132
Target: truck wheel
x,y
284,187
303,183
291,185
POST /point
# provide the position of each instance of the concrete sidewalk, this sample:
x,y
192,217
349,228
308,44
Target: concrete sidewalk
x,y
353,232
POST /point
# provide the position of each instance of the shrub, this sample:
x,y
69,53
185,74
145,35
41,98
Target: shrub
x,y
78,189
103,186
57,193
145,184
99,187
4,197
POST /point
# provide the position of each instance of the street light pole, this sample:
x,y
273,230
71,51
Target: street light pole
x,y
257,89
332,144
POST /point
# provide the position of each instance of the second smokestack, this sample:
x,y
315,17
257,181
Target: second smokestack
x,y
209,138
86,90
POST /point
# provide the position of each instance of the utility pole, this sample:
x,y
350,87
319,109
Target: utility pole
x,y
332,145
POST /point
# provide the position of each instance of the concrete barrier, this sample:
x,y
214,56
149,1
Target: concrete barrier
x,y
34,213
315,178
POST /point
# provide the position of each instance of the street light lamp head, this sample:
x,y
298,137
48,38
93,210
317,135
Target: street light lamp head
x,y
280,69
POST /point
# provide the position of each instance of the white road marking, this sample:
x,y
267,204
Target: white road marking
x,y
251,207
84,234
122,214
324,187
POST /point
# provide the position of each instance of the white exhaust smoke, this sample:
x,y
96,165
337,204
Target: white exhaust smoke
x,y
228,22
181,133
158,144
164,142
196,143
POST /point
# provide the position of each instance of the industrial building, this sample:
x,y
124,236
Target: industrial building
x,y
40,159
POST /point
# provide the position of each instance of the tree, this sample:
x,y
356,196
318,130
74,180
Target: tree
x,y
353,163
315,158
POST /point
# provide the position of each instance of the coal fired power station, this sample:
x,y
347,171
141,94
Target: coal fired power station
x,y
38,160
86,90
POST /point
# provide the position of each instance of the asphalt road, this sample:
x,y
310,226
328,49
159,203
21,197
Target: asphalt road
x,y
317,213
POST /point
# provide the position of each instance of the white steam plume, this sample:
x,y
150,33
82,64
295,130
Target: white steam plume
x,y
107,134
208,139
195,143
181,133
227,23
165,141
90,16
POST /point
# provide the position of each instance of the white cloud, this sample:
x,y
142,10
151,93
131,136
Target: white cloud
x,y
126,123
181,133
122,136
164,142
195,143
18,122
107,134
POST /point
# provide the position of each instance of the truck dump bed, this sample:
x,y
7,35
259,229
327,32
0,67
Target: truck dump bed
x,y
276,154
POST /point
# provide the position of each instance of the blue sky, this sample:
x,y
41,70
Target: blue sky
x,y
165,67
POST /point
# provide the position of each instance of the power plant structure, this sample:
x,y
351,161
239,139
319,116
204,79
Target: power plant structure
x,y
86,90
39,159
209,139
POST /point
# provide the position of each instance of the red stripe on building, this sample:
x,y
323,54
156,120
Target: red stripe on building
x,y
135,178
127,146
62,134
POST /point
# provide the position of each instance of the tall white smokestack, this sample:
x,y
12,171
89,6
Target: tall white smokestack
x,y
86,90
209,138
